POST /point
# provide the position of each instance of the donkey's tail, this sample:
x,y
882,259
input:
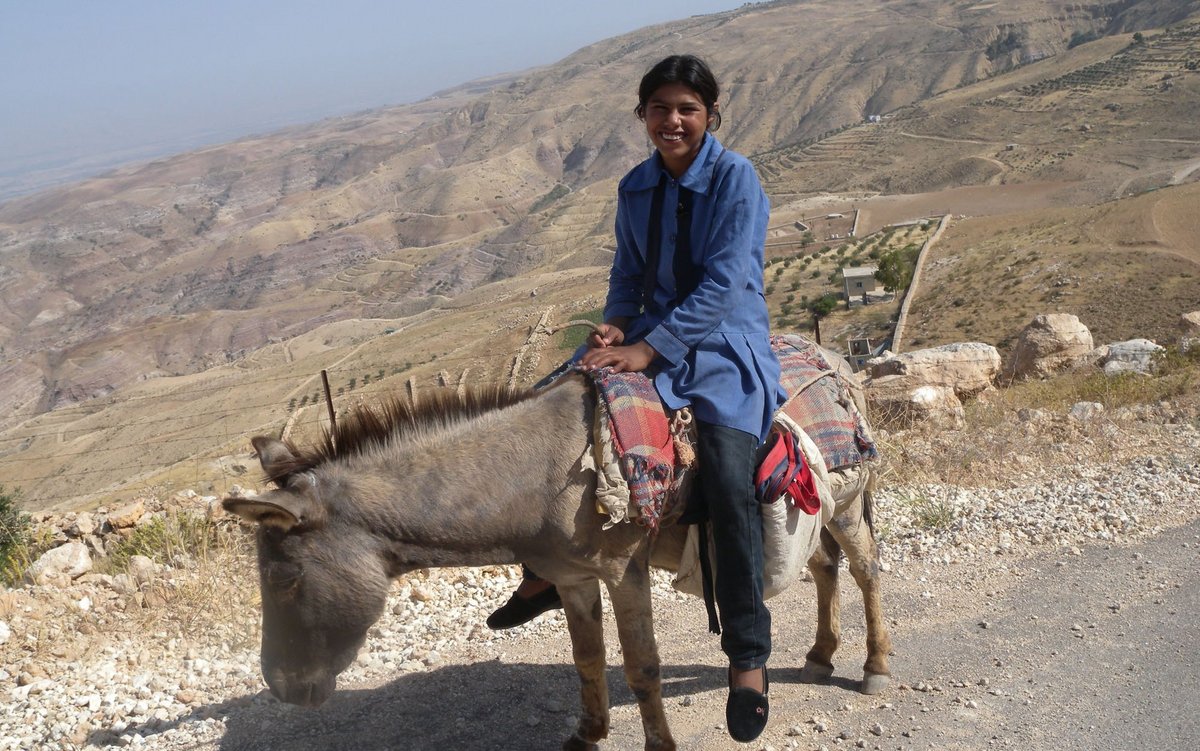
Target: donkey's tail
x,y
868,502
869,511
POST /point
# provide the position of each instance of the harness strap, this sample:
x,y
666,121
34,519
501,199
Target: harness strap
x,y
706,581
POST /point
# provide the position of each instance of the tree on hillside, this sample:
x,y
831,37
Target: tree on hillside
x,y
896,268
823,305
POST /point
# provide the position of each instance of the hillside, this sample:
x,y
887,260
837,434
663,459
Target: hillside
x,y
154,318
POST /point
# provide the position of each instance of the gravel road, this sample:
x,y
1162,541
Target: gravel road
x,y
1096,650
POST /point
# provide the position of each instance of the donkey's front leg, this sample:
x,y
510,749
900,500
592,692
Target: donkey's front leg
x,y
585,622
635,628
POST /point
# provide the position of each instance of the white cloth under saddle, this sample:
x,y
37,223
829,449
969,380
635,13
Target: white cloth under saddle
x,y
789,535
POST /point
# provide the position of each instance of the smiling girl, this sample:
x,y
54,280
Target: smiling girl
x,y
685,303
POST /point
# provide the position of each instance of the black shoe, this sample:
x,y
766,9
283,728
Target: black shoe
x,y
520,610
746,710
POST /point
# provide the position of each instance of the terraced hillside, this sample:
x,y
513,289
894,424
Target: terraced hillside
x,y
153,319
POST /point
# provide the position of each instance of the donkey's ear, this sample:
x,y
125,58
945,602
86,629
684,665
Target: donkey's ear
x,y
280,510
273,454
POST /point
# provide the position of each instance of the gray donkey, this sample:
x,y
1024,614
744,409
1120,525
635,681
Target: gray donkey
x,y
489,477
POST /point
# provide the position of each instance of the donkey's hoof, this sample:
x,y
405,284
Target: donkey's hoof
x,y
815,672
874,683
575,743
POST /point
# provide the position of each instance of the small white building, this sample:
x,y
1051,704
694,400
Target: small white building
x,y
857,281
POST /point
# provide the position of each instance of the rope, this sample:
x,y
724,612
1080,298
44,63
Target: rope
x,y
681,436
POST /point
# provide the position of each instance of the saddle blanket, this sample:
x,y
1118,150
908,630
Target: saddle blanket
x,y
820,402
633,435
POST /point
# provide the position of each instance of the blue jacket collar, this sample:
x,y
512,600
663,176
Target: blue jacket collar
x,y
699,175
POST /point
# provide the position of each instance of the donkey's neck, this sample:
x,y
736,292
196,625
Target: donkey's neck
x,y
491,490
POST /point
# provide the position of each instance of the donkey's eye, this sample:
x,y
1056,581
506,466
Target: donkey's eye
x,y
284,577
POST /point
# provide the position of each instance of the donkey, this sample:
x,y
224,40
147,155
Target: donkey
x,y
488,477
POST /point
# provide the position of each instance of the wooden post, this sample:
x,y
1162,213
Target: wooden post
x,y
329,402
817,328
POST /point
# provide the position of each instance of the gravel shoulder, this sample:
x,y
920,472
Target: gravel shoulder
x,y
1096,650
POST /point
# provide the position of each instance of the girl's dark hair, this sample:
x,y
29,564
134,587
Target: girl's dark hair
x,y
688,70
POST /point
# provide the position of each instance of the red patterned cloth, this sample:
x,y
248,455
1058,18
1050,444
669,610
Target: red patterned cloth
x,y
642,434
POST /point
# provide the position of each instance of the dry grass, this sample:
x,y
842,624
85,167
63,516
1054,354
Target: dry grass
x,y
174,539
1025,426
221,588
208,573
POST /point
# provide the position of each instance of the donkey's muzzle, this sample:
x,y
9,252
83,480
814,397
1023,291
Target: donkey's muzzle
x,y
306,691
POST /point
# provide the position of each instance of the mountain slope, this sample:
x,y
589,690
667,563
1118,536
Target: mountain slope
x,y
152,318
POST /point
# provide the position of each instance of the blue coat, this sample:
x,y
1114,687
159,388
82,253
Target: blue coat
x,y
714,347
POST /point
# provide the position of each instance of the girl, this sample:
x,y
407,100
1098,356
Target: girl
x,y
685,304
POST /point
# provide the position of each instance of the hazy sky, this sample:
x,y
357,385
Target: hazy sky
x,y
80,78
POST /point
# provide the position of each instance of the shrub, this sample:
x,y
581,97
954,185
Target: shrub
x,y
174,539
929,513
896,268
16,537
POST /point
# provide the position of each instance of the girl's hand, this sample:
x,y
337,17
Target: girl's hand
x,y
609,335
631,359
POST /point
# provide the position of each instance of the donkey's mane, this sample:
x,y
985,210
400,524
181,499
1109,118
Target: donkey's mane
x,y
394,419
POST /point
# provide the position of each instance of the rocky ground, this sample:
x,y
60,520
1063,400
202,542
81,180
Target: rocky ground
x,y
1038,569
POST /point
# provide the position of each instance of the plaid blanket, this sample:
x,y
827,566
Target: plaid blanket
x,y
642,434
819,401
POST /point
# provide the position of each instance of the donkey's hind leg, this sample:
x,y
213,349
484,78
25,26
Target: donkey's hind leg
x,y
853,532
818,664
635,628
585,622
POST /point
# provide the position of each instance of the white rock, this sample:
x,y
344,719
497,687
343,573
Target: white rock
x,y
1189,330
83,525
896,402
142,569
1049,344
128,515
968,368
1133,356
68,561
1086,411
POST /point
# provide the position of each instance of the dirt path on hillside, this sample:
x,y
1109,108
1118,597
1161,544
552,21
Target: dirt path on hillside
x,y
1096,650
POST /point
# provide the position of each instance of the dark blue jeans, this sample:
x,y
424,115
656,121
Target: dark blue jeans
x,y
726,486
